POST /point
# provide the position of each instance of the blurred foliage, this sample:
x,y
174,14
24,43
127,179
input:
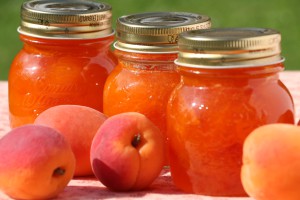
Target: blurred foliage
x,y
282,15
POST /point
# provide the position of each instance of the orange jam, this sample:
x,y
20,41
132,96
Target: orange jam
x,y
142,84
146,74
221,98
60,63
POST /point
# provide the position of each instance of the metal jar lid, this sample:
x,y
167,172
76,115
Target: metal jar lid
x,y
156,31
67,19
229,47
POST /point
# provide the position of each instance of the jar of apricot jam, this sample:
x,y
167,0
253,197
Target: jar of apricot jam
x,y
230,86
65,59
146,47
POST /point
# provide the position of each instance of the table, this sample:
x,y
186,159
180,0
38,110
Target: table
x,y
90,189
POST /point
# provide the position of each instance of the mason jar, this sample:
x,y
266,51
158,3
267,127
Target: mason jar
x,y
146,48
229,86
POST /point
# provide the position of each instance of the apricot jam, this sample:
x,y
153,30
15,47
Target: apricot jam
x,y
229,86
141,86
65,59
146,48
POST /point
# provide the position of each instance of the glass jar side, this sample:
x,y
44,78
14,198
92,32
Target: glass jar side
x,y
141,83
49,72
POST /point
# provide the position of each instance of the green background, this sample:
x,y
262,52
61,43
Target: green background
x,y
282,15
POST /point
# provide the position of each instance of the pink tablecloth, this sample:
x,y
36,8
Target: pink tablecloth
x,y
162,188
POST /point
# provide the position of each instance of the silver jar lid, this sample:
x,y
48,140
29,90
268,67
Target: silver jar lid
x,y
156,31
68,19
229,47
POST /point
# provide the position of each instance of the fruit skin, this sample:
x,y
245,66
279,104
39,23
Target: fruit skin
x,y
271,162
121,160
36,162
79,125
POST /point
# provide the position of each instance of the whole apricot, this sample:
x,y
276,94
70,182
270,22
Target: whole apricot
x,y
79,125
127,152
36,162
271,163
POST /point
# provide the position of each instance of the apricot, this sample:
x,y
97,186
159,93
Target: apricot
x,y
79,125
271,163
127,152
36,162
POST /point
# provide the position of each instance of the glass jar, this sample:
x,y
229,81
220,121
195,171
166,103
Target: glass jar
x,y
65,59
146,74
230,86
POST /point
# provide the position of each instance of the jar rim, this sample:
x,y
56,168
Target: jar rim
x,y
240,65
20,31
146,49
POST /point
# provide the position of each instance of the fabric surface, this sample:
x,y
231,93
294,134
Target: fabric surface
x,y
163,188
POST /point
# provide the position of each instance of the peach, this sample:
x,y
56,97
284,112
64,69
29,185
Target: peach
x,y
79,125
271,162
127,152
36,162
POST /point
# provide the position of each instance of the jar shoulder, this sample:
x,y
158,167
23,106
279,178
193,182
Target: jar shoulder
x,y
266,100
39,60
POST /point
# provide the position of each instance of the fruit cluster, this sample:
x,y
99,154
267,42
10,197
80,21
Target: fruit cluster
x,y
37,161
126,152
